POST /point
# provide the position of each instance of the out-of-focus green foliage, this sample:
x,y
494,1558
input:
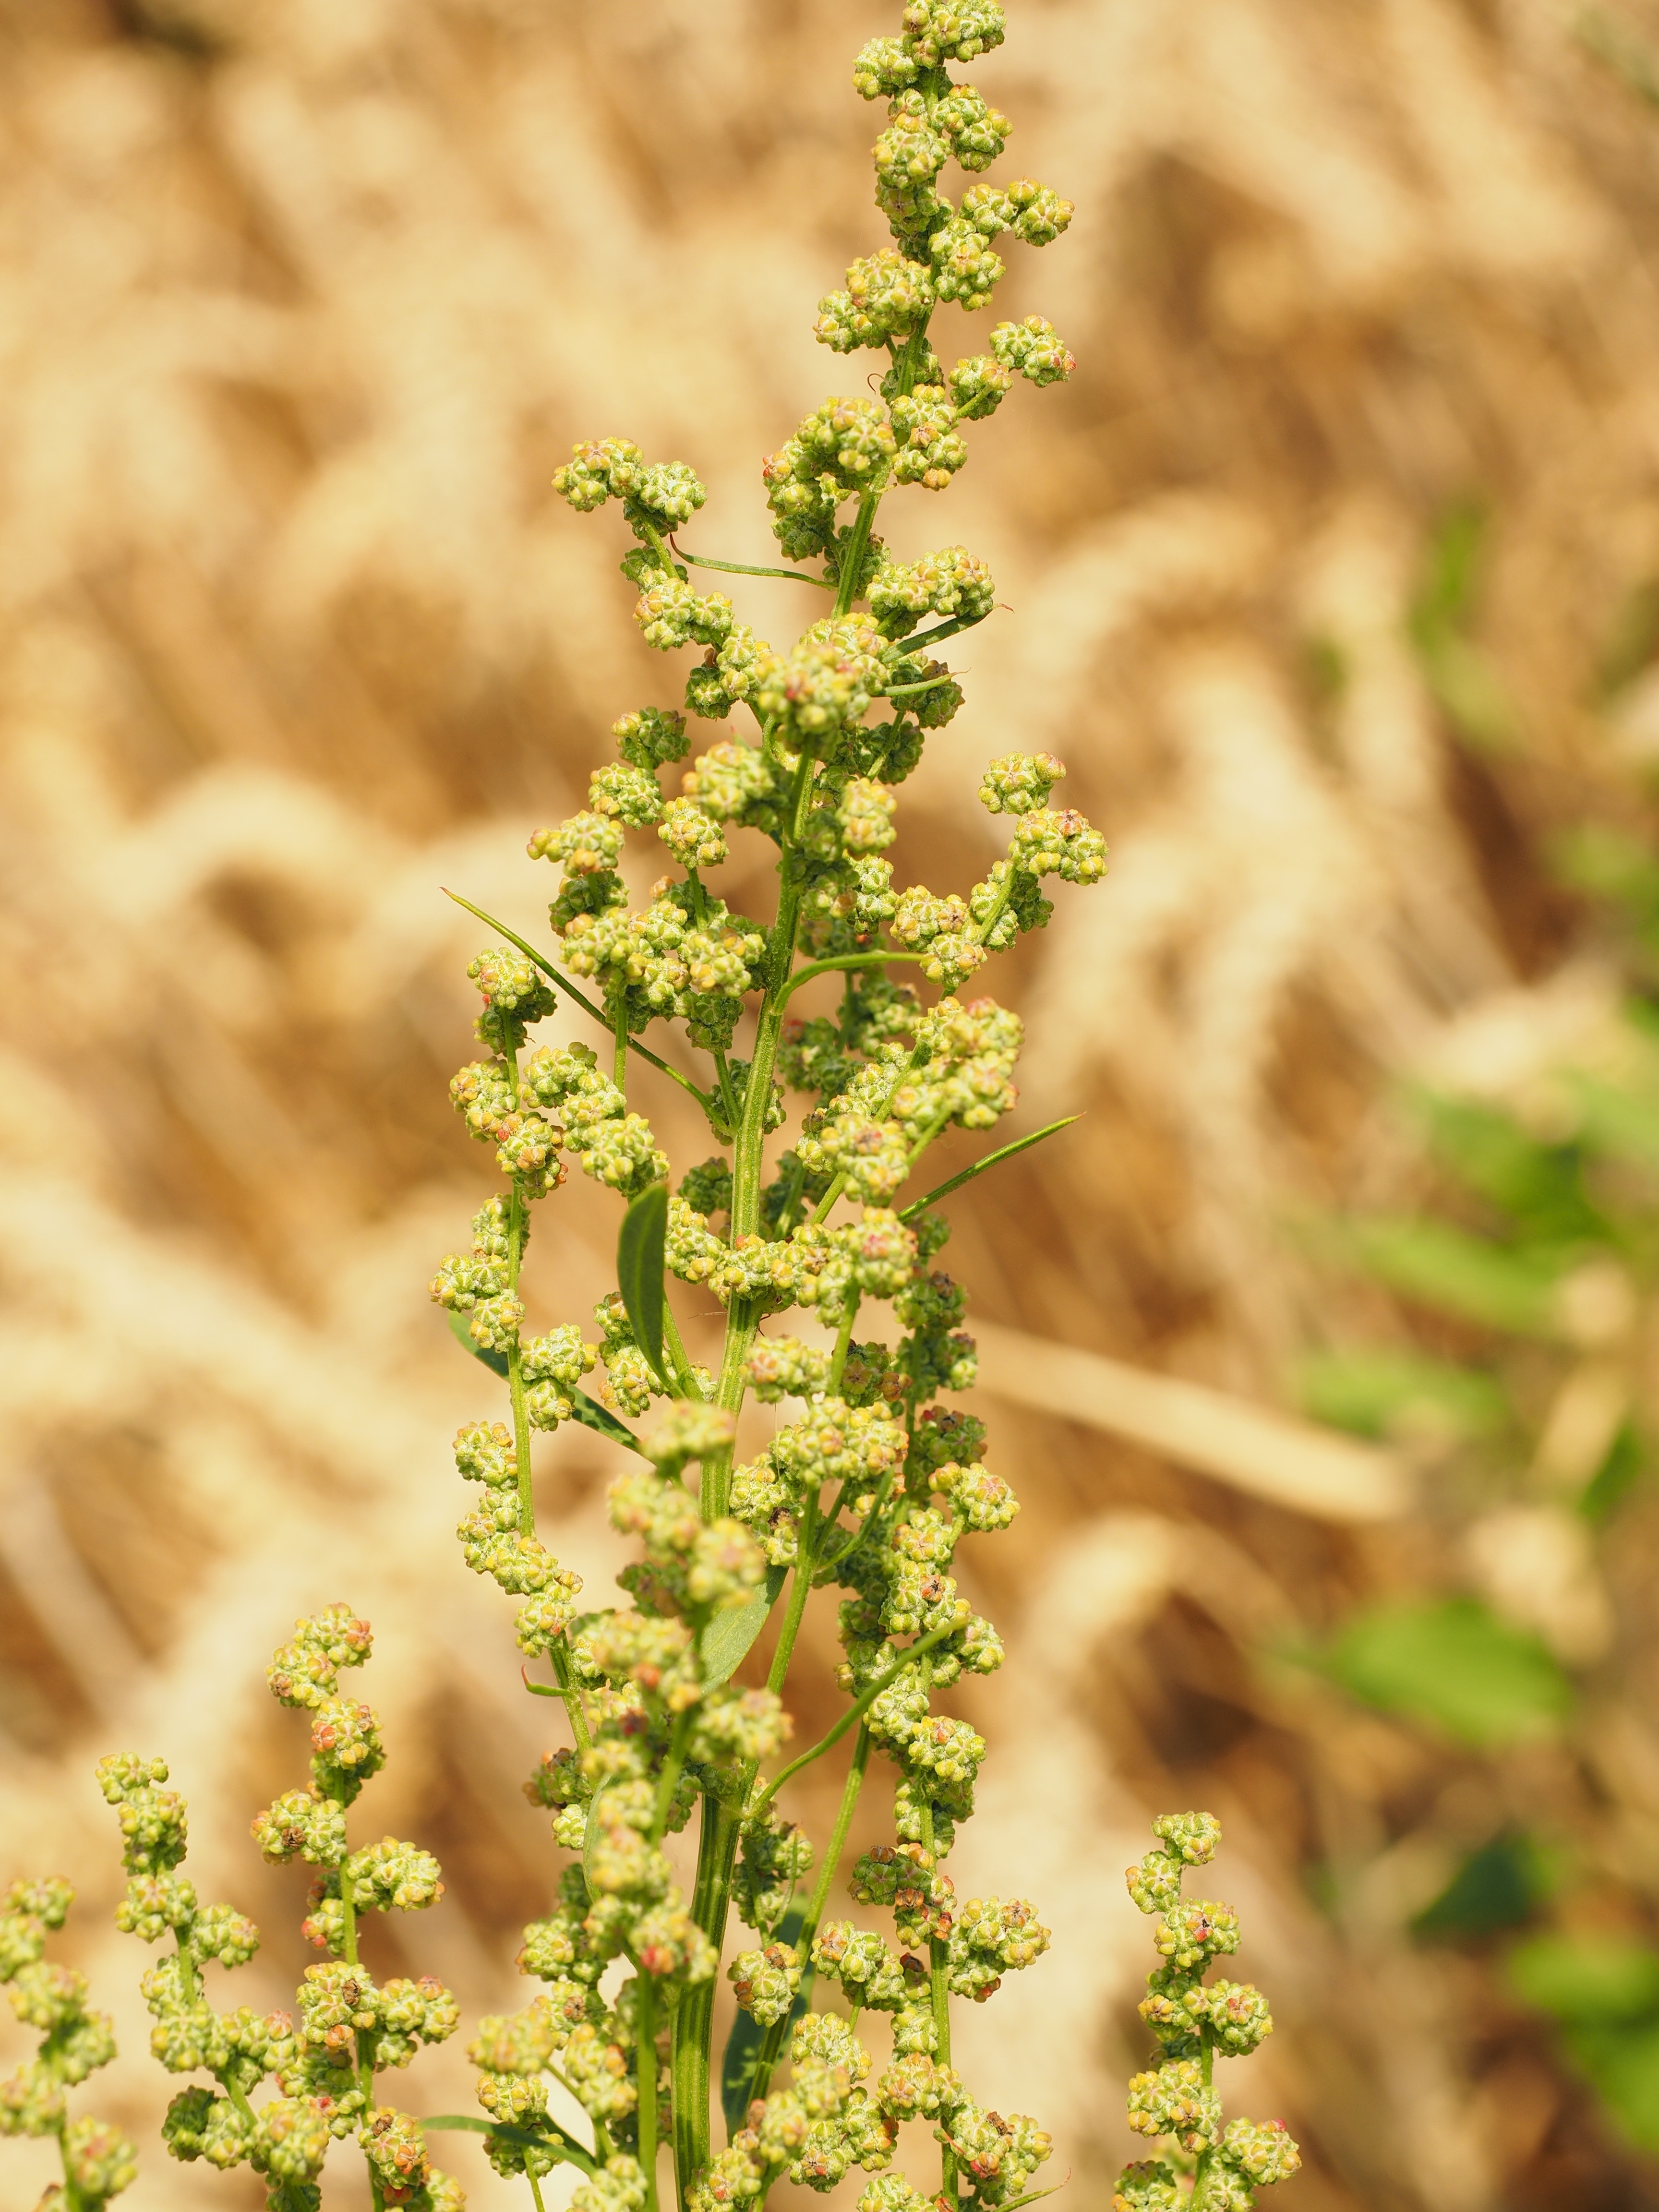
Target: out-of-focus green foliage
x,y
1382,1394
1499,1886
1454,1667
1604,1993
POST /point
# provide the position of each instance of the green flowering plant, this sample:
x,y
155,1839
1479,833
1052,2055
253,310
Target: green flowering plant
x,y
99,2161
1218,2164
350,2029
872,1487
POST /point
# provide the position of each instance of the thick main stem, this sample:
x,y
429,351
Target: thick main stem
x,y
939,1990
718,1844
645,2021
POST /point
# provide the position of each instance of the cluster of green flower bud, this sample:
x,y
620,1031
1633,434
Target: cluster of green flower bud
x,y
99,2161
492,1537
1194,2021
348,2027
832,2118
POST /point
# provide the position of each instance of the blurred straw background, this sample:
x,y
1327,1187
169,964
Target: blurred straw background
x,y
300,303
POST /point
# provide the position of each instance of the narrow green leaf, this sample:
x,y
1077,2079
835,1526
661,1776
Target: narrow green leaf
x,y
1007,1153
640,1269
495,1361
734,1628
588,1411
557,2140
602,1422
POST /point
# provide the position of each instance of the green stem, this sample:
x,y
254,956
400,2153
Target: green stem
x,y
619,1031
718,1844
728,1096
684,1374
799,1588
844,1345
1005,1153
771,2049
535,2189
668,1780
695,2015
939,1989
645,2017
517,1237
852,557
559,1653
855,1712
845,962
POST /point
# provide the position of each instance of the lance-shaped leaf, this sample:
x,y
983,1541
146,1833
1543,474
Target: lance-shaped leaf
x,y
640,1251
734,1628
588,1411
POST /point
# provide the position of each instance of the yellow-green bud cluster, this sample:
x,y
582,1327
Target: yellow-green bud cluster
x,y
1194,2021
348,2026
98,2161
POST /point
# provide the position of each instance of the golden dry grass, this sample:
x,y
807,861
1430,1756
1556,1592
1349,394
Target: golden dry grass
x,y
300,303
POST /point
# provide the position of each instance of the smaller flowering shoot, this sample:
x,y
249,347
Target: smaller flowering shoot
x,y
870,1489
349,2028
1216,2167
99,2161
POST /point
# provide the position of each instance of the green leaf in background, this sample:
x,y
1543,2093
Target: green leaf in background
x,y
727,1639
1541,1187
495,1361
1499,1886
1382,1394
1459,672
640,1251
1455,1667
1622,1122
1609,864
1452,1271
1604,1993
1624,1467
1587,1981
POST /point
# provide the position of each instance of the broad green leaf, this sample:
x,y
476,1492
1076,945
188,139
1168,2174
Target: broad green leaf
x,y
640,1269
1453,1272
1381,1394
1455,1667
734,1628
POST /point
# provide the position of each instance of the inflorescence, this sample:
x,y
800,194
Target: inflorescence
x,y
1218,2166
99,2161
872,1485
347,2029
